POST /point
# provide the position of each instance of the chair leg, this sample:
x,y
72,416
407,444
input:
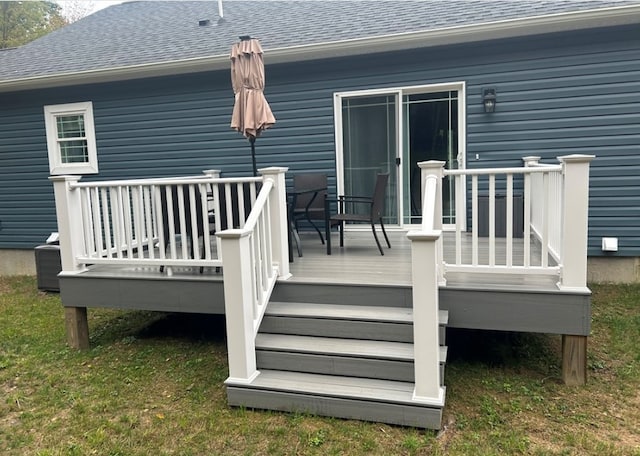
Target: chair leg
x,y
165,253
375,235
317,229
341,228
385,233
327,234
201,250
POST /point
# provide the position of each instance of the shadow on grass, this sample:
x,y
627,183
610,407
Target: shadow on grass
x,y
108,328
502,348
196,327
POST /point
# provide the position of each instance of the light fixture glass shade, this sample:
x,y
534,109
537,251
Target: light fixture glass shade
x,y
489,100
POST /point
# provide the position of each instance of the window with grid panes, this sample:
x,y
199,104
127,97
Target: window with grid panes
x,y
71,138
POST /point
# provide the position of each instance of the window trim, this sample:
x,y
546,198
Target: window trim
x,y
56,167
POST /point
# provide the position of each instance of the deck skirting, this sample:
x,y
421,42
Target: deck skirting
x,y
144,291
515,309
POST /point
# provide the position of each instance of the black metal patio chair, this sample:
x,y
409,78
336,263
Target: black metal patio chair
x,y
347,212
310,191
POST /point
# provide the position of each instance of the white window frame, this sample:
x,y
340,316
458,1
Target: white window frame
x,y
56,167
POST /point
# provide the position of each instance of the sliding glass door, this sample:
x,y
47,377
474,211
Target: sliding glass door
x,y
390,131
430,133
370,147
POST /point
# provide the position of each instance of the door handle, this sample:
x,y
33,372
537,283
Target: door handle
x,y
398,161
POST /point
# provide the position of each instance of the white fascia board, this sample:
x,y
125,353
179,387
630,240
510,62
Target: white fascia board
x,y
561,22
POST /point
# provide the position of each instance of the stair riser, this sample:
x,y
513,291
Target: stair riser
x,y
356,295
403,415
348,329
338,365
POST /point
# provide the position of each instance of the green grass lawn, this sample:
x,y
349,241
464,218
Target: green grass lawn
x,y
152,384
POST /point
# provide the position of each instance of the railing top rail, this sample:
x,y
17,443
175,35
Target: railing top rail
x,y
484,171
166,181
252,219
261,201
543,165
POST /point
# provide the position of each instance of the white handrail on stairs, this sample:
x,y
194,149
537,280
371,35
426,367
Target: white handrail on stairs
x,y
254,257
426,261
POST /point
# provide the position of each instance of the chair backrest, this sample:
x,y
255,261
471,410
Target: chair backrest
x,y
377,207
307,181
176,210
228,221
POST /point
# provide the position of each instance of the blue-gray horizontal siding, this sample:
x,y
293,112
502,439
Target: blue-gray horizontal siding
x,y
557,95
587,103
159,127
27,212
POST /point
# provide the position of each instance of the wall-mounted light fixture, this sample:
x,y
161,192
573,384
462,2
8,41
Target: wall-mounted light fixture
x,y
489,100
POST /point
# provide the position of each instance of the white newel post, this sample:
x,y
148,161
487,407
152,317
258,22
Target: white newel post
x,y
69,216
436,168
278,208
238,304
213,173
575,217
426,344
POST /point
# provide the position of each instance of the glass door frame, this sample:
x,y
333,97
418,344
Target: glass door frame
x,y
399,93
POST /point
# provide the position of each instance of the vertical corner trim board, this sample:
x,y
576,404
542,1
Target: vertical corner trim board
x,y
574,360
77,327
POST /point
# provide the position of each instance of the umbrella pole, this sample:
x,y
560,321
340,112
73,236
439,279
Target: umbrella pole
x,y
252,141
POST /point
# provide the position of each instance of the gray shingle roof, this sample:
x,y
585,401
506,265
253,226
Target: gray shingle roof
x,y
143,33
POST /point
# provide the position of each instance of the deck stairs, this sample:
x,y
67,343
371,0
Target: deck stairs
x,y
347,361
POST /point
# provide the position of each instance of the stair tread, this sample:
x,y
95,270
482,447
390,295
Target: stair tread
x,y
337,386
341,347
351,312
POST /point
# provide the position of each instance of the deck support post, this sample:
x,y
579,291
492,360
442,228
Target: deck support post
x,y
436,168
77,327
238,305
426,345
575,219
574,360
278,209
71,236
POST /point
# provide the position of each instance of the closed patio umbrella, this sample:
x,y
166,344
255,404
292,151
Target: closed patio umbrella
x,y
251,112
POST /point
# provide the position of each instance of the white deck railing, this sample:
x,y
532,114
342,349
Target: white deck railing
x,y
546,206
139,222
554,212
543,205
157,222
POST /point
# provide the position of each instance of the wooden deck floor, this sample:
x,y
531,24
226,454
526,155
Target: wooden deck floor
x,y
359,262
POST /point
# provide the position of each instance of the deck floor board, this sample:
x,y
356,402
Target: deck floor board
x,y
359,262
